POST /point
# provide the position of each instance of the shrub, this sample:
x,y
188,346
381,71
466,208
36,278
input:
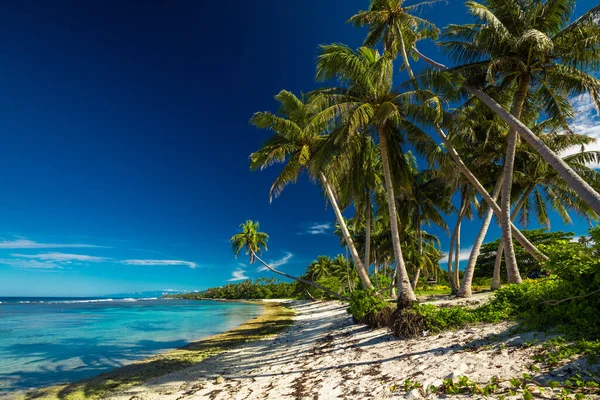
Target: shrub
x,y
363,303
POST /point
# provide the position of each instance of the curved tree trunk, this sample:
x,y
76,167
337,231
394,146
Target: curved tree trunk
x,y
405,292
334,294
527,245
575,182
465,286
406,62
498,261
509,163
364,276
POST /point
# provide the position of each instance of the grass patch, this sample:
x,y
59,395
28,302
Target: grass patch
x,y
275,319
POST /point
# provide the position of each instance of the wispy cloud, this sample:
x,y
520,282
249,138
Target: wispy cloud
x,y
184,263
238,275
30,264
277,263
586,122
30,244
61,257
463,255
317,228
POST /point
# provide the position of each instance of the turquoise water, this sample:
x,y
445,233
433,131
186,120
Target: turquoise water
x,y
49,341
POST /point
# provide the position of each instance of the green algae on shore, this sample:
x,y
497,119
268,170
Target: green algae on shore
x,y
275,319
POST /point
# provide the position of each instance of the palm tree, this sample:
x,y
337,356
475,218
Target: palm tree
x,y
250,239
359,176
344,270
254,241
422,202
366,104
296,139
528,44
539,187
585,240
394,24
322,266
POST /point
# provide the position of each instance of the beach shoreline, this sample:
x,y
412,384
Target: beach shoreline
x,y
275,317
325,355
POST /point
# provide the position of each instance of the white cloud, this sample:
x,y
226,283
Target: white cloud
x,y
61,257
317,229
30,264
160,263
463,255
277,263
238,275
30,244
586,122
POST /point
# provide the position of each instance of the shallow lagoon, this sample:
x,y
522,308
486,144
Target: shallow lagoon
x,y
49,341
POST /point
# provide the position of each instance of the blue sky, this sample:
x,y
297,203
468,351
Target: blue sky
x,y
126,140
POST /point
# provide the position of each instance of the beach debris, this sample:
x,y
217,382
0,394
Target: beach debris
x,y
220,380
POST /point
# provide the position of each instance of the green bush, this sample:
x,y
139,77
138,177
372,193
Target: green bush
x,y
363,303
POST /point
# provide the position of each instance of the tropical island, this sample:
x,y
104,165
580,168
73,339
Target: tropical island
x,y
399,150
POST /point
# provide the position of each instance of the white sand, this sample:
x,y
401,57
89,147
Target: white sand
x,y
325,356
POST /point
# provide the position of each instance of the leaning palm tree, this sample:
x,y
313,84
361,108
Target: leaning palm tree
x,y
540,189
529,44
295,140
254,242
366,104
396,26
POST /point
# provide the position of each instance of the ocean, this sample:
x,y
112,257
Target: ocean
x,y
46,341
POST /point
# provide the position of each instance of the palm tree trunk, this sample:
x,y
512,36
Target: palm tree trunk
x,y
394,278
498,261
523,241
457,257
368,233
465,286
334,294
463,208
415,281
509,163
405,292
406,62
420,237
364,276
575,182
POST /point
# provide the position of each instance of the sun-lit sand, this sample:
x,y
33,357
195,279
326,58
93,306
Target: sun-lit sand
x,y
325,356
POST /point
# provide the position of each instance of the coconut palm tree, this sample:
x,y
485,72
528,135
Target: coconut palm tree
x,y
396,26
254,242
422,202
366,104
359,176
295,140
250,239
528,44
540,188
322,266
344,270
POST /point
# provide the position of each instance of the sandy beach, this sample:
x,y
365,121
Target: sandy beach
x,y
324,355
